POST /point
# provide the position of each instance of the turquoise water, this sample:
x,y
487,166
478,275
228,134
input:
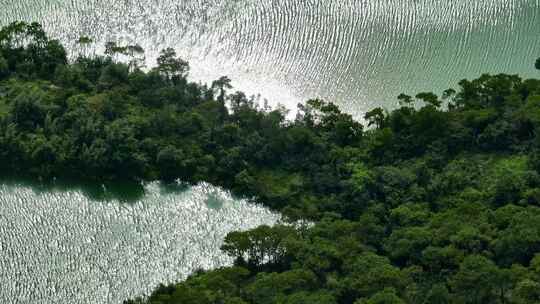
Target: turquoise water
x,y
358,53
81,245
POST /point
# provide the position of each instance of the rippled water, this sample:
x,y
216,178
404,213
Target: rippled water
x,y
359,53
60,246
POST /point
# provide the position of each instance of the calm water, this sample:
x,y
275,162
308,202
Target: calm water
x,y
359,53
64,245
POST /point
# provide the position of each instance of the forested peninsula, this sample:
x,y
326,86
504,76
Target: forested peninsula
x,y
436,201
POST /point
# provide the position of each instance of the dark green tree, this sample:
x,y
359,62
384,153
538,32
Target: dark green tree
x,y
222,84
4,67
375,117
474,282
429,98
170,66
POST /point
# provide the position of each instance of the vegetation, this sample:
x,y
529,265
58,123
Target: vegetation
x,y
429,205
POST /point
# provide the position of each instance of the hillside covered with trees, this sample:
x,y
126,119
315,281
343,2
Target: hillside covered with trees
x,y
437,201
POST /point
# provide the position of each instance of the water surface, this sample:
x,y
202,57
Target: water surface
x,y
68,245
358,53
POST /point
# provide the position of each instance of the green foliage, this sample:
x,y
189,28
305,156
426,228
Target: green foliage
x,y
4,68
387,296
170,66
475,280
268,288
29,52
369,273
438,295
431,204
375,117
429,98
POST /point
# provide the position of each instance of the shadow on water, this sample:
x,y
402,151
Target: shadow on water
x,y
122,191
174,187
213,201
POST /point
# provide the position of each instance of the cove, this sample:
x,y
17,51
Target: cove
x,y
81,245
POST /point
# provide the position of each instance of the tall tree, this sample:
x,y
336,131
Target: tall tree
x,y
222,84
170,66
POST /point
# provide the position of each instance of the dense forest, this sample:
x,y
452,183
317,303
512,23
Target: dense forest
x,y
436,201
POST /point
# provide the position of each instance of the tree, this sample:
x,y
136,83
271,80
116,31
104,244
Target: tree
x,y
268,287
527,292
438,295
4,68
136,53
28,111
303,297
169,161
222,84
84,40
13,35
170,66
375,117
55,55
368,274
537,64
474,282
244,182
448,93
429,98
386,296
262,244
111,48
404,100
113,75
520,240
407,243
27,47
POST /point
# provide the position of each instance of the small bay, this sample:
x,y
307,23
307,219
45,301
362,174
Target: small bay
x,y
96,245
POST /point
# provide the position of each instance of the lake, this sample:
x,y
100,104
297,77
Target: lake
x,y
63,244
357,53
